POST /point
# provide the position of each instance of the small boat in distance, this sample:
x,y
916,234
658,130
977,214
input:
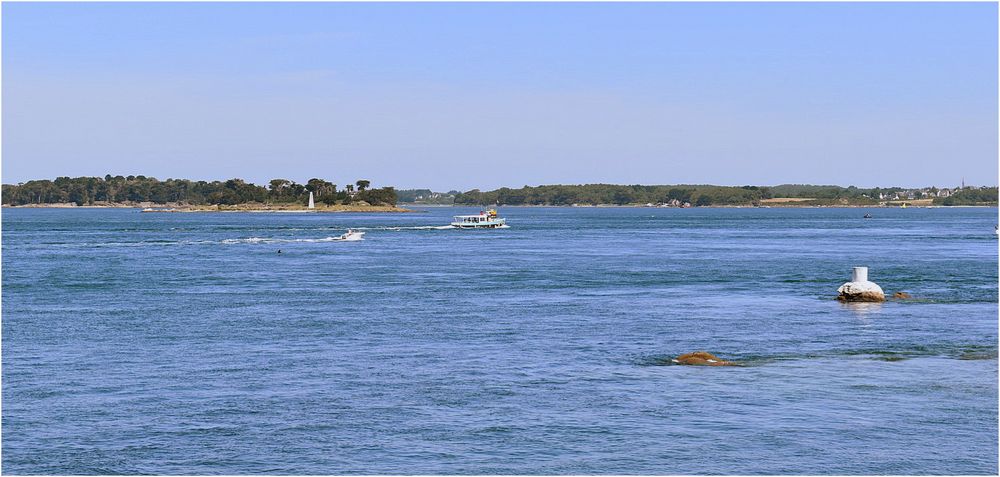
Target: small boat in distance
x,y
486,219
351,236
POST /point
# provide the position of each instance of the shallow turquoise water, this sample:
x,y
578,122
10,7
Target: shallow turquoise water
x,y
185,344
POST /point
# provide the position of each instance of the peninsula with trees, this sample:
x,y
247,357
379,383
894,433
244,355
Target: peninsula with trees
x,y
185,195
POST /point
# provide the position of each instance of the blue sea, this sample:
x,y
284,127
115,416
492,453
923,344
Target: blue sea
x,y
184,343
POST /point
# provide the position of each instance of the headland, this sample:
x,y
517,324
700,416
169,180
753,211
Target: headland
x,y
182,195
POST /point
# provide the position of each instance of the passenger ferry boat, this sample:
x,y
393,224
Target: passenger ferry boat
x,y
486,219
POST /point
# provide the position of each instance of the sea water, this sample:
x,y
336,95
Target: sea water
x,y
187,344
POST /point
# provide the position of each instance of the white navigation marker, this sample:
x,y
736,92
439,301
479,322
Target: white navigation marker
x,y
312,205
859,288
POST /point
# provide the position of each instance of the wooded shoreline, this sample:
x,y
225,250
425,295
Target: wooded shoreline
x,y
116,191
285,195
694,195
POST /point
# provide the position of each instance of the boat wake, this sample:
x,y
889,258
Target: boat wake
x,y
353,235
415,227
264,240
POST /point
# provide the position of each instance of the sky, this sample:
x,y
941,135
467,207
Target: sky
x,y
484,95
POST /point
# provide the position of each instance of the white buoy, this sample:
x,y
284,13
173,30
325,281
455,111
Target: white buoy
x,y
312,205
859,288
860,274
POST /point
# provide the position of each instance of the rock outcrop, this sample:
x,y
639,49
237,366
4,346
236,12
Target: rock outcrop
x,y
702,358
860,291
901,295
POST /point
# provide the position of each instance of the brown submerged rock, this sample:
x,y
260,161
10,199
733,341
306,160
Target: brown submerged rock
x,y
864,297
702,358
901,295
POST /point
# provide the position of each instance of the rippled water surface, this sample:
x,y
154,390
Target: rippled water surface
x,y
185,344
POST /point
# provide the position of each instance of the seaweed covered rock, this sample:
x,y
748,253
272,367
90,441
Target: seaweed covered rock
x,y
901,295
860,291
702,358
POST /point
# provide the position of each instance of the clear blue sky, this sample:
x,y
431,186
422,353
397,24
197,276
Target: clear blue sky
x,y
486,95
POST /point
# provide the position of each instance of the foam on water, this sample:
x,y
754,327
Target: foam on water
x,y
273,240
411,227
167,243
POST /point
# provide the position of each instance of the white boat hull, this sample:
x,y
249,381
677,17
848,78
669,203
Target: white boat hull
x,y
351,237
491,224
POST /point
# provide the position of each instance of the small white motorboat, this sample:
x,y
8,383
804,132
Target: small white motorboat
x,y
351,236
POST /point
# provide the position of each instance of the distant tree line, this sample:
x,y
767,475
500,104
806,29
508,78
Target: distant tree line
x,y
594,194
808,191
111,189
705,195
